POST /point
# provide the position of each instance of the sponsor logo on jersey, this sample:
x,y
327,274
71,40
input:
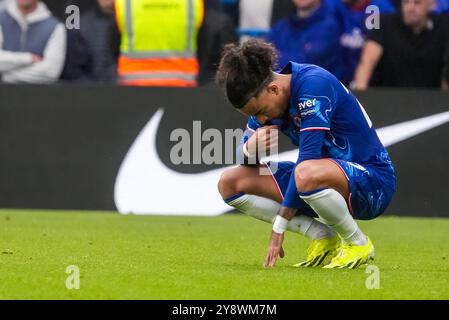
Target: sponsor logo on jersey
x,y
308,112
307,104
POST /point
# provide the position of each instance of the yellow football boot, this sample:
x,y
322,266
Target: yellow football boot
x,y
351,256
320,251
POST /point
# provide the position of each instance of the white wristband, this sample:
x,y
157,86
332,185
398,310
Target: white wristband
x,y
280,224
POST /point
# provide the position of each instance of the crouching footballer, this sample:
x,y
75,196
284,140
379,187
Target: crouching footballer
x,y
342,173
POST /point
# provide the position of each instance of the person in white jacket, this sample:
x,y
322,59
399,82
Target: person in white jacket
x,y
32,43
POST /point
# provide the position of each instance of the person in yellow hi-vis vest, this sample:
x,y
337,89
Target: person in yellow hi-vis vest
x,y
158,41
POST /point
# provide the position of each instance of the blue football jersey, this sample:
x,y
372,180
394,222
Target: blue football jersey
x,y
325,120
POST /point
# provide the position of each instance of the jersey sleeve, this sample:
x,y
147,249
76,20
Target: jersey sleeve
x,y
291,197
310,145
316,103
252,124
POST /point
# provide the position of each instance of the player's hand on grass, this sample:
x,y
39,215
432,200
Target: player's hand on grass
x,y
274,249
263,140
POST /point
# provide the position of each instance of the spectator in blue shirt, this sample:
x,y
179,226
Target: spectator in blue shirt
x,y
312,35
353,14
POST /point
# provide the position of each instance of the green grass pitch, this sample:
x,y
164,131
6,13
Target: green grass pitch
x,y
156,257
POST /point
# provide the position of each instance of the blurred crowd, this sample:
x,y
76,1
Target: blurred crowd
x,y
393,43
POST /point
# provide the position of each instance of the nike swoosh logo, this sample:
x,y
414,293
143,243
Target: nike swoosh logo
x,y
145,185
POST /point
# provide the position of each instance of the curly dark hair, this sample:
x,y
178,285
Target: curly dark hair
x,y
245,70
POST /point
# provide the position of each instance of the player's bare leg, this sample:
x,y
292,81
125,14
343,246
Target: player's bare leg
x,y
246,179
257,195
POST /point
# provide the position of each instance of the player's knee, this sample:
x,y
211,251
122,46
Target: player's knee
x,y
307,178
227,185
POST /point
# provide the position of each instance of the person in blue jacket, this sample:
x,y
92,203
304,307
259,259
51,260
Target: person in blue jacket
x,y
311,35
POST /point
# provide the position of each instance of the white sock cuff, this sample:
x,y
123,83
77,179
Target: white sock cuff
x,y
238,200
318,194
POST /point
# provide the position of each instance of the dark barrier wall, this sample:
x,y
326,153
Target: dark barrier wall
x,y
62,146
